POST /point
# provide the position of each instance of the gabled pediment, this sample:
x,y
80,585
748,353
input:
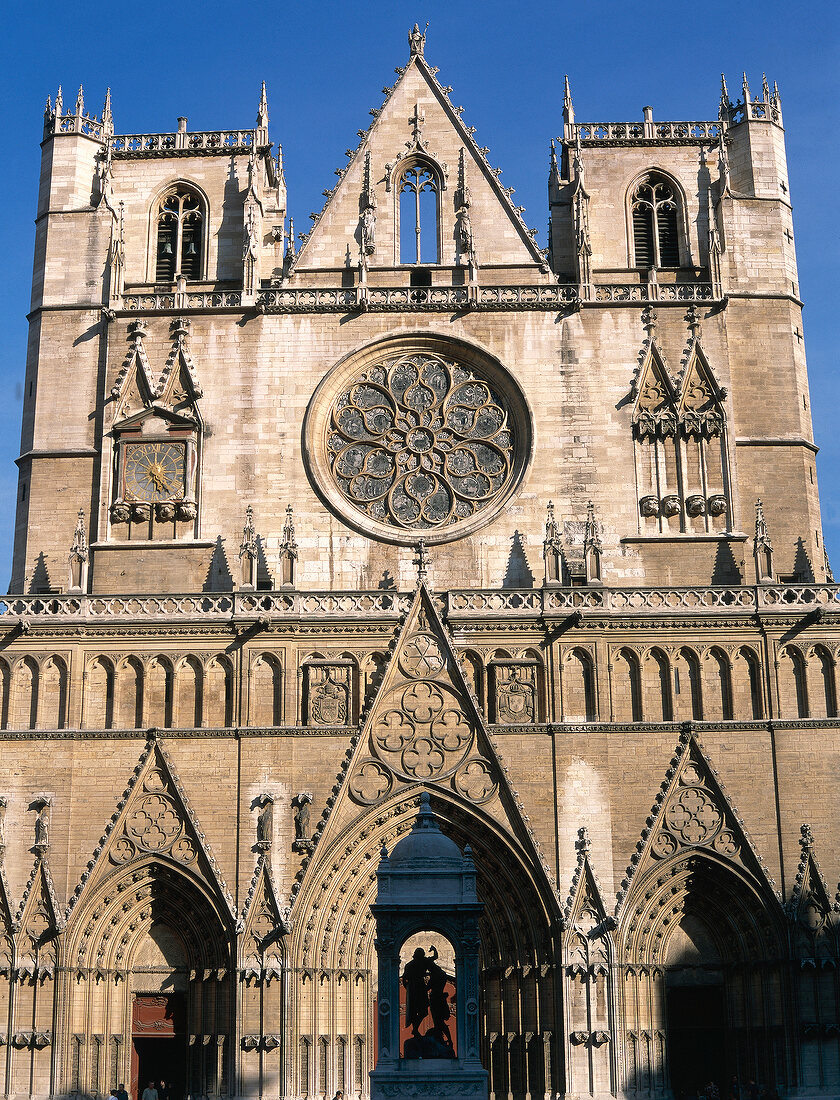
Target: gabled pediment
x,y
155,821
146,418
654,410
694,814
701,397
418,124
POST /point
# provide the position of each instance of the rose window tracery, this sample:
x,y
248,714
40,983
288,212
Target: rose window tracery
x,y
415,441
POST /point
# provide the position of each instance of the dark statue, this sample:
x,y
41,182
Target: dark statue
x,y
425,991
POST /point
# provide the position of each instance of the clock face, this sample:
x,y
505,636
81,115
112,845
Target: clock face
x,y
154,471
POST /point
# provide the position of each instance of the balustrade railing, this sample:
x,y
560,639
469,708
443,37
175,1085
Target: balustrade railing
x,y
650,292
153,302
645,131
201,142
389,605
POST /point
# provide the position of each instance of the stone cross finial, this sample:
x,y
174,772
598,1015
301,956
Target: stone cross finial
x,y
417,40
422,561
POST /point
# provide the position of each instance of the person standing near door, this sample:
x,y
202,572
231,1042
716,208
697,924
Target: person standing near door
x,y
121,1094
150,1092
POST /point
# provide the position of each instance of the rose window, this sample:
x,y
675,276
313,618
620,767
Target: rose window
x,y
419,443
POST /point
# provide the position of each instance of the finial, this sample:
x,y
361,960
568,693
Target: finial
x,y
762,535
422,562
725,102
551,531
806,838
80,101
48,107
248,532
775,90
765,88
746,90
693,321
262,112
107,117
829,576
583,843
417,40
649,321
289,530
724,91
591,528
59,102
80,543
568,106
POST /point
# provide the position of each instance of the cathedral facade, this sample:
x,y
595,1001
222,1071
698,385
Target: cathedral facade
x,y
313,526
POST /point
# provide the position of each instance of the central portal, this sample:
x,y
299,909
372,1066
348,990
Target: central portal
x,y
158,1033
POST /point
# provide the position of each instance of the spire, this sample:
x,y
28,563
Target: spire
x,y
80,101
262,111
568,106
288,551
59,103
746,91
591,546
107,117
78,558
553,167
248,552
48,107
417,40
552,549
725,101
765,88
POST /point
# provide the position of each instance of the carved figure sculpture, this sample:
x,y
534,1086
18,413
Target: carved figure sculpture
x,y
416,991
301,804
368,230
438,999
265,822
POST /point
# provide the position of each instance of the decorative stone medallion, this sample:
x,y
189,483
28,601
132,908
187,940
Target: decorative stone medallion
x,y
418,437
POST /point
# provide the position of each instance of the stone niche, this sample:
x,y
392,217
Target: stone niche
x,y
426,890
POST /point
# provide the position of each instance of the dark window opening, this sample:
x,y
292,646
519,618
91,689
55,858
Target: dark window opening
x,y
180,223
655,231
421,276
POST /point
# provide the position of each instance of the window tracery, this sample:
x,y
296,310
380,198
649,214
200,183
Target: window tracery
x,y
418,442
654,212
418,197
179,224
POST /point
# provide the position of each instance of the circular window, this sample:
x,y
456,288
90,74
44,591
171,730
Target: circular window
x,y
417,437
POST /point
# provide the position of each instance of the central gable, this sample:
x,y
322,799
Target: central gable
x,y
417,125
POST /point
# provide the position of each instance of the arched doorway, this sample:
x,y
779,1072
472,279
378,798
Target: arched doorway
x,y
333,968
151,957
703,978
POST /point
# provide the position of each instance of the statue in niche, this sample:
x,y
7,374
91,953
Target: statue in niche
x,y
465,233
416,992
302,841
42,826
265,822
438,1000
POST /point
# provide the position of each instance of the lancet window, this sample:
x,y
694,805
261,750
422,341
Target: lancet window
x,y
179,224
654,210
418,191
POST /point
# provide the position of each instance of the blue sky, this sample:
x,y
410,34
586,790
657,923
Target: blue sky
x,y
325,64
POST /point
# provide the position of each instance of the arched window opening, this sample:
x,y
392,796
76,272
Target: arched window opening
x,y
418,214
655,235
180,222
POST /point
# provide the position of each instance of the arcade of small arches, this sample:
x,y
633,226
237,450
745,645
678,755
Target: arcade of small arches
x,y
659,683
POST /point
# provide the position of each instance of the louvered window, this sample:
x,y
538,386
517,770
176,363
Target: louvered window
x,y
655,234
180,225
